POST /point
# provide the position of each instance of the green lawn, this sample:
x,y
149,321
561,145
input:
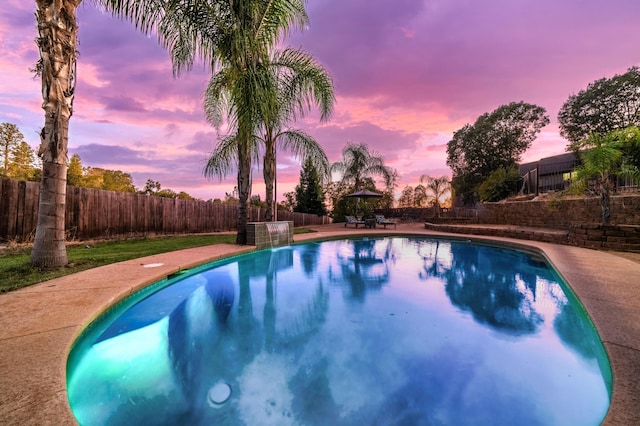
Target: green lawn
x,y
16,271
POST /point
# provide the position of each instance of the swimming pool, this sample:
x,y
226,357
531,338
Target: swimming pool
x,y
370,331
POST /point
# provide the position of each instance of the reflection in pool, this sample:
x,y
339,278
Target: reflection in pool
x,y
353,332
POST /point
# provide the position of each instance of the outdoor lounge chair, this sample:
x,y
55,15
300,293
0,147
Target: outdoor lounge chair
x,y
351,220
381,220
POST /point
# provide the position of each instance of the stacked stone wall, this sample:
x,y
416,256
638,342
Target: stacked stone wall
x,y
560,213
607,237
561,220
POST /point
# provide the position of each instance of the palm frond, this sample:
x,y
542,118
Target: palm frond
x,y
278,17
303,146
304,82
224,158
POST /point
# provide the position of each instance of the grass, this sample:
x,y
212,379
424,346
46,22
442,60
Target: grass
x,y
16,270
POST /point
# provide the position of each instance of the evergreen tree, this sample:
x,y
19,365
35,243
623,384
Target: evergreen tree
x,y
21,162
74,171
309,193
10,140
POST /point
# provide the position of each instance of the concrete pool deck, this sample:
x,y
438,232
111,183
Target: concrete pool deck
x,y
39,324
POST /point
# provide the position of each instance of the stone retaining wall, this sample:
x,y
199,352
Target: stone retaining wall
x,y
556,236
560,220
560,213
607,237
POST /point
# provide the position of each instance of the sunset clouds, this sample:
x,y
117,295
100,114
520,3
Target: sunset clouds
x,y
407,74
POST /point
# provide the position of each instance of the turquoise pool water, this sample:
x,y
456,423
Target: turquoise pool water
x,y
402,330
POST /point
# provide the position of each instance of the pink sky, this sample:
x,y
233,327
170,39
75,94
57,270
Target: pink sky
x,y
407,74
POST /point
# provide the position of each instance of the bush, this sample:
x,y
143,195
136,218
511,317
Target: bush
x,y
499,185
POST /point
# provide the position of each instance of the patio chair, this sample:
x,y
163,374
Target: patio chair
x,y
351,220
381,220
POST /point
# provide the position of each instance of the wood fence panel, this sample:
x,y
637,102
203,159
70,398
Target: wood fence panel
x,y
12,207
5,214
20,205
93,213
31,200
143,219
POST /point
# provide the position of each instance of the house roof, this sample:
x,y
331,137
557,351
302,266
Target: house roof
x,y
554,164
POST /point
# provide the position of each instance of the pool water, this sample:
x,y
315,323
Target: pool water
x,y
403,330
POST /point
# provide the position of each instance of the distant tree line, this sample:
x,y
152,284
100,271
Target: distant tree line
x,y
20,162
115,180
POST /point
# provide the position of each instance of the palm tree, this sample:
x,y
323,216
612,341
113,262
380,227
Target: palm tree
x,y
227,34
438,187
604,160
358,164
57,43
242,86
57,40
297,81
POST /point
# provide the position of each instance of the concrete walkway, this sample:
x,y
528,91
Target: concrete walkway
x,y
38,324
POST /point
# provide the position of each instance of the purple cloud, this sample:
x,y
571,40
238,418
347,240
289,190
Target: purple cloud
x,y
104,155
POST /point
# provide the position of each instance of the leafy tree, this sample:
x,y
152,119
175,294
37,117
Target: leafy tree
x,y
231,197
406,198
10,140
99,178
499,185
308,193
341,205
606,105
151,187
166,193
604,159
495,140
184,196
92,177
255,201
116,180
289,201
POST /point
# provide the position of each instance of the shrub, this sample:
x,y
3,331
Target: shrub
x,y
499,185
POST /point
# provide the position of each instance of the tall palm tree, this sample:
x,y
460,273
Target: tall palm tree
x,y
57,40
228,34
298,81
242,86
358,164
57,43
438,187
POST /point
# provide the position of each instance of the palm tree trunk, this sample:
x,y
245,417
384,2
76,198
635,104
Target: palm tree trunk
x,y
269,168
57,39
605,201
244,189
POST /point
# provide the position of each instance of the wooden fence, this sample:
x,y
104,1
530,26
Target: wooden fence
x,y
93,213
